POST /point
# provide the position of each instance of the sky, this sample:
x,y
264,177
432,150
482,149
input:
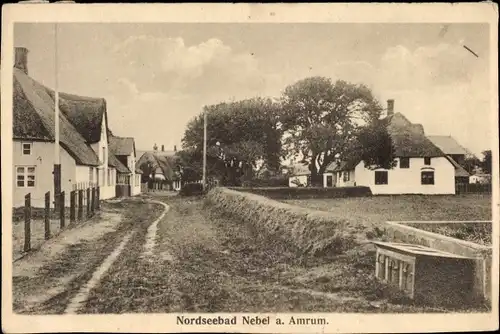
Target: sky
x,y
156,77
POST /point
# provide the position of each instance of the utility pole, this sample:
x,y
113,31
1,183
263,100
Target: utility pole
x,y
57,161
204,180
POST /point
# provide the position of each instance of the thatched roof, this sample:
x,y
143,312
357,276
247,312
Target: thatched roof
x,y
121,145
164,162
299,169
409,139
459,170
33,119
114,162
85,113
448,145
342,165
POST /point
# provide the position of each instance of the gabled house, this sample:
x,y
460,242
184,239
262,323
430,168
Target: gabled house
x,y
158,166
422,168
299,176
456,152
83,139
128,179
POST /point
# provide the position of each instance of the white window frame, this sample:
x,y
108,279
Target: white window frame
x,y
25,176
30,145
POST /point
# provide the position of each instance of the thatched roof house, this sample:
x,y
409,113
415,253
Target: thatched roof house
x,y
33,119
150,162
121,148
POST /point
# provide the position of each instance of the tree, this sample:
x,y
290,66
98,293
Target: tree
x,y
324,122
241,137
471,163
486,164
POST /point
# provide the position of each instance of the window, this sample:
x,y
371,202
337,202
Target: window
x,y
381,177
91,174
427,161
109,177
427,177
346,176
404,162
26,148
25,176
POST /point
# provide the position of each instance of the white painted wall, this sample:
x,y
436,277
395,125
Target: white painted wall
x,y
107,191
484,179
42,157
351,181
408,181
135,184
301,178
325,177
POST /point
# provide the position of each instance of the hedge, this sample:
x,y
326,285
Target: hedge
x,y
310,231
307,192
191,189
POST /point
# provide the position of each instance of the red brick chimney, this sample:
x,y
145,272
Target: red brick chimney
x,y
21,59
390,107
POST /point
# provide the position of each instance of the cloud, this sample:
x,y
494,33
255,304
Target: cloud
x,y
155,62
441,64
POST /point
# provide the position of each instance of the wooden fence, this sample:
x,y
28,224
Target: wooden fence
x,y
80,201
473,188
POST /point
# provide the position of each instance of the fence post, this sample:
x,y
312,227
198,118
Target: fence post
x,y
93,200
80,204
27,222
72,202
88,202
62,204
47,215
98,195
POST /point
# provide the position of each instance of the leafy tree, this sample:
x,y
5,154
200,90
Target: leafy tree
x,y
486,164
470,163
241,136
324,122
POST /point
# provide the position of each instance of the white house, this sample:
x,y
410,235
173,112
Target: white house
x,y
34,138
123,149
422,168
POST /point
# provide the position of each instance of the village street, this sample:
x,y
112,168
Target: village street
x,y
128,261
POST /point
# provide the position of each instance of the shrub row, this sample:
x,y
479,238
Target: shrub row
x,y
312,232
307,192
191,189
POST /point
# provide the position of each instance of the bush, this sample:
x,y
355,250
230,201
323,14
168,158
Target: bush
x,y
306,192
191,189
272,181
310,231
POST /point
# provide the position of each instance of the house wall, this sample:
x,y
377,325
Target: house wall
x,y
136,187
42,157
408,181
135,179
325,179
351,180
300,178
102,151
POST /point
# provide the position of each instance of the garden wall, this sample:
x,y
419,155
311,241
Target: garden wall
x,y
306,192
310,231
403,232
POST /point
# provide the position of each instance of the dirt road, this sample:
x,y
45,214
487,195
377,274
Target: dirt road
x,y
190,261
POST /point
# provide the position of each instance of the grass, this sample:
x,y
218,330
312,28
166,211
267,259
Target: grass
x,y
212,263
376,210
479,233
